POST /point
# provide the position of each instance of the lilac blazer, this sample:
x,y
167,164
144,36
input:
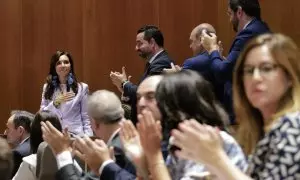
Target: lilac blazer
x,y
73,114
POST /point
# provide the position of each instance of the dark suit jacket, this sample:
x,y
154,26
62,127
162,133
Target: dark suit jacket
x,y
201,64
19,152
111,172
69,172
160,62
223,69
122,169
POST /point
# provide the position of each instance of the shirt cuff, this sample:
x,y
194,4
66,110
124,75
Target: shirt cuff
x,y
124,84
64,158
105,163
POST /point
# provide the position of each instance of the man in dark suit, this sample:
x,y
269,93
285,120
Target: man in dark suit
x,y
150,46
106,113
18,132
200,61
246,21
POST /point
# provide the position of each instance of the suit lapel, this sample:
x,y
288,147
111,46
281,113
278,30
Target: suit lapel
x,y
147,67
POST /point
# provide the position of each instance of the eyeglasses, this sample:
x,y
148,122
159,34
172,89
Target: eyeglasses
x,y
264,69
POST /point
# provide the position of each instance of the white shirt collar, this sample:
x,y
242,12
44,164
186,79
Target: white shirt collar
x,y
112,136
155,55
248,23
24,140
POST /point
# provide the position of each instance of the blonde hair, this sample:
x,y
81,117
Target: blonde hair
x,y
286,53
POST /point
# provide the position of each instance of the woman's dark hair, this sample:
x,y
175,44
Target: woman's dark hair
x,y
36,135
186,95
53,79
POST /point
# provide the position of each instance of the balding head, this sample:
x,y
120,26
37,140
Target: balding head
x,y
150,83
146,95
204,26
195,37
105,107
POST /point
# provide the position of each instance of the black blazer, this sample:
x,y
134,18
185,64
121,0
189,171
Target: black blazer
x,y
111,172
69,172
160,62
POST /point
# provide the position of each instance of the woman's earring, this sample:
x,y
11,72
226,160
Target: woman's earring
x,y
70,79
54,81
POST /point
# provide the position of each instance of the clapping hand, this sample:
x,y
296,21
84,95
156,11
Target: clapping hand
x,y
93,152
57,140
118,78
201,143
209,41
150,134
173,69
131,142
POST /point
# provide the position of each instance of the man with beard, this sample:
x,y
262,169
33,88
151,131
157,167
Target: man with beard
x,y
246,21
150,46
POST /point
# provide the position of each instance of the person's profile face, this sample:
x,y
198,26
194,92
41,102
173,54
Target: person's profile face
x,y
12,133
142,46
233,19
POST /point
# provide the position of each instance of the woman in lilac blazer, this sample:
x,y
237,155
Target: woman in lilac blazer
x,y
64,96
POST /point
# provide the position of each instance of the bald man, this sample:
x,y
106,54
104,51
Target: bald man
x,y
200,62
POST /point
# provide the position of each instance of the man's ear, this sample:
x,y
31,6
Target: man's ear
x,y
21,129
198,41
152,42
239,12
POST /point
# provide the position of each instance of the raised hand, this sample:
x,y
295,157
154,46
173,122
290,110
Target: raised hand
x,y
150,133
131,142
173,69
93,152
118,78
201,143
151,136
209,41
57,140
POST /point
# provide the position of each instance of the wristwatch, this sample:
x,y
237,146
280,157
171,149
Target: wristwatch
x,y
122,84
